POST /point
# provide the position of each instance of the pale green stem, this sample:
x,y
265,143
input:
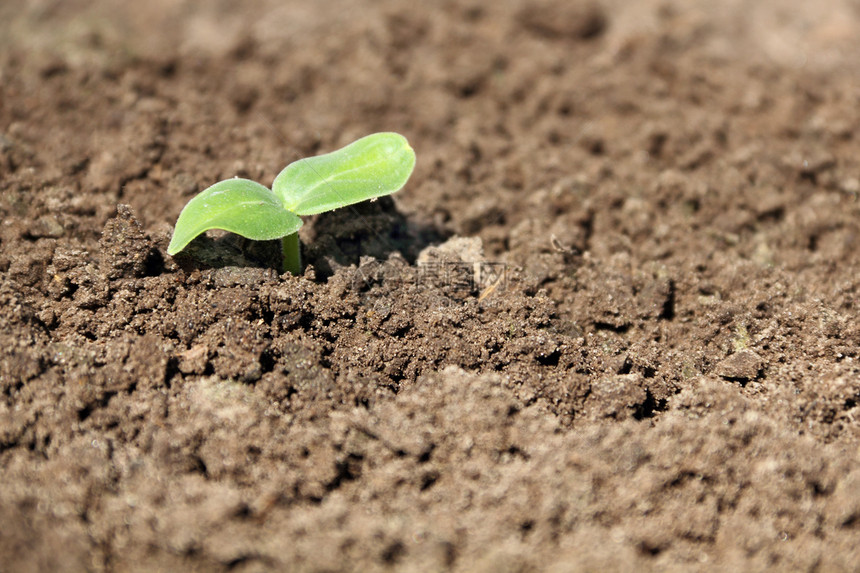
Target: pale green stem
x,y
292,253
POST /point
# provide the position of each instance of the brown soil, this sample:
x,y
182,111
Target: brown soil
x,y
663,376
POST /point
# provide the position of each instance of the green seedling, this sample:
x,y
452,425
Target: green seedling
x,y
374,166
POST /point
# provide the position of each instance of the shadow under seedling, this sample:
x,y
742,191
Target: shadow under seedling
x,y
374,166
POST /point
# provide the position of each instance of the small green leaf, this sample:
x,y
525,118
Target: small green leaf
x,y
237,205
373,166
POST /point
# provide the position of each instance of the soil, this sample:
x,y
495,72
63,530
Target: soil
x,y
609,324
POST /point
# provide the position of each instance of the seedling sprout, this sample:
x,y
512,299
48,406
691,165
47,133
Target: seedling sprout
x,y
374,166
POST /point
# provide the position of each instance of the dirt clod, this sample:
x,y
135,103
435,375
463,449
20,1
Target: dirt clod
x,y
742,365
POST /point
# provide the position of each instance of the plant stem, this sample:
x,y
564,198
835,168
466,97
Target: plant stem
x,y
292,253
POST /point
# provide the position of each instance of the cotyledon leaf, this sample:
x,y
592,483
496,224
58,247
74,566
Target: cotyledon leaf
x,y
237,205
373,166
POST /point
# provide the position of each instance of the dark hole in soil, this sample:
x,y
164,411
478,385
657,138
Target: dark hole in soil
x,y
428,479
651,549
650,407
617,328
199,465
851,521
393,552
267,361
425,455
550,359
526,527
668,310
347,470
